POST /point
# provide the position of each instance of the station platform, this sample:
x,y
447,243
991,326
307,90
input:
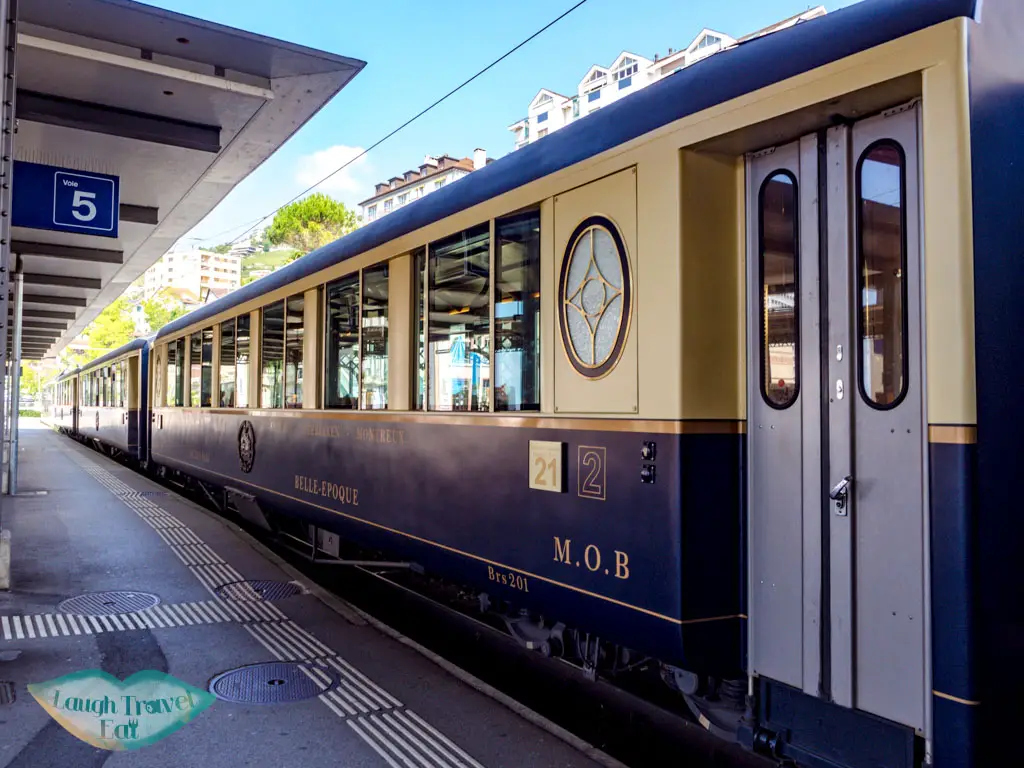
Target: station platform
x,y
84,524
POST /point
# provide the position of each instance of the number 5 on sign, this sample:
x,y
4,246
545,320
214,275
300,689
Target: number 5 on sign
x,y
82,206
546,465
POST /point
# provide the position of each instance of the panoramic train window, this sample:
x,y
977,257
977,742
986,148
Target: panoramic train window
x,y
242,362
374,338
176,372
272,357
342,334
195,368
227,364
458,353
780,332
419,289
295,326
517,313
881,264
206,382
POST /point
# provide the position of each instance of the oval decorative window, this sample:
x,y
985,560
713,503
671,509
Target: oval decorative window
x,y
596,297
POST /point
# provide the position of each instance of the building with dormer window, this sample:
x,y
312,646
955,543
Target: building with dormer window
x,y
433,174
630,72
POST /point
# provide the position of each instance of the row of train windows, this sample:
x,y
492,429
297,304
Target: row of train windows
x,y
881,288
476,325
105,387
65,393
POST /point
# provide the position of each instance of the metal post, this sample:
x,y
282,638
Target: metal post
x,y
12,471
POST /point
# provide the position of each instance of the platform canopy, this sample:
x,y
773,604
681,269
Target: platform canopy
x,y
133,123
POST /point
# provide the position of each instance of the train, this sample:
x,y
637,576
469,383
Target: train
x,y
719,378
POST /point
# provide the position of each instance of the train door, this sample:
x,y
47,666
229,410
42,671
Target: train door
x,y
836,420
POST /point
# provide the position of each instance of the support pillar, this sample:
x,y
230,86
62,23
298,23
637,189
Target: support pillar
x,y
12,470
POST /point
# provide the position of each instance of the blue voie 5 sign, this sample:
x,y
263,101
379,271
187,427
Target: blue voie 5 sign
x,y
47,197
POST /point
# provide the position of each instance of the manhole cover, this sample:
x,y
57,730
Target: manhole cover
x,y
275,682
6,692
258,590
106,603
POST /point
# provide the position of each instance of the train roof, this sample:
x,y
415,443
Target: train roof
x,y
748,67
114,354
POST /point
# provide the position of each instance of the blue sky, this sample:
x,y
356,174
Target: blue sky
x,y
417,51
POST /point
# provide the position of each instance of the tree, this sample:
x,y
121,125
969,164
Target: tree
x,y
311,222
161,309
112,327
222,248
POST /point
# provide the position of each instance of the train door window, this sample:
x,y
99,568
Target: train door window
x,y
242,362
182,370
272,357
342,338
195,360
881,264
420,325
374,338
459,335
295,326
227,364
206,383
169,374
780,337
517,313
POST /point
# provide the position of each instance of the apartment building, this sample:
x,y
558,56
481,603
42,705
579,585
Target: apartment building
x,y
195,274
433,174
628,73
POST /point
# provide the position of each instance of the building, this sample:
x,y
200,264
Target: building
x,y
434,173
630,72
194,274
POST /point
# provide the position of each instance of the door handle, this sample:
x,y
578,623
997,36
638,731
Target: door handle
x,y
840,494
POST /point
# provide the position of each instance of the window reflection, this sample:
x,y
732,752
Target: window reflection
x,y
343,343
517,313
206,386
419,291
780,336
272,356
881,265
294,333
375,338
227,364
459,337
195,368
242,362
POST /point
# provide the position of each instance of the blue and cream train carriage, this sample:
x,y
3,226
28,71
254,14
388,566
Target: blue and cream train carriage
x,y
724,374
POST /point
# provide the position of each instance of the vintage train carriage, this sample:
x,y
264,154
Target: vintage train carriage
x,y
62,409
113,407
696,374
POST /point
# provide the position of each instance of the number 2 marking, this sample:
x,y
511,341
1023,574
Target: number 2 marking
x,y
592,486
544,466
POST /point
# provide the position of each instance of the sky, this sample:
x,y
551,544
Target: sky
x,y
416,51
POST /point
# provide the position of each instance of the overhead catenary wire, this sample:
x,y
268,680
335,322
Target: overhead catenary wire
x,y
404,125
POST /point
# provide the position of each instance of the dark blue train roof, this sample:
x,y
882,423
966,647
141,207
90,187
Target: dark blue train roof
x,y
748,67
